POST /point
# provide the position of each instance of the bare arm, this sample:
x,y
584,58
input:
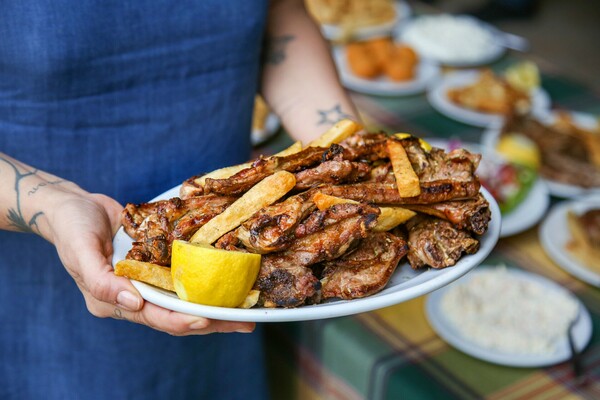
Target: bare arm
x,y
299,79
81,226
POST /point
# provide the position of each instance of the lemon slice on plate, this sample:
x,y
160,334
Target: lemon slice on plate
x,y
205,275
519,149
524,76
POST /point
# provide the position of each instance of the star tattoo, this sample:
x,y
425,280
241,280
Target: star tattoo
x,y
332,116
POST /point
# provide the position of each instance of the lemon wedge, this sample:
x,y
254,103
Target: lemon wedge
x,y
205,275
519,149
524,76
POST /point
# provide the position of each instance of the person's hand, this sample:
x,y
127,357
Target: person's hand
x,y
82,226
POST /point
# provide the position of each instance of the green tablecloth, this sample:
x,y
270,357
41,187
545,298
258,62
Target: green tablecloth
x,y
393,353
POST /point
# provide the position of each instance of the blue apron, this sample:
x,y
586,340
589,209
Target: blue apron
x,y
127,99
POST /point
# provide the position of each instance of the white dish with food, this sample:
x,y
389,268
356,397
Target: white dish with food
x,y
528,212
491,136
510,317
438,98
402,10
427,71
404,285
270,128
458,41
555,235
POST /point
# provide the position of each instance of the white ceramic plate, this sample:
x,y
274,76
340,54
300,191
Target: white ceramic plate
x,y
445,329
427,72
554,236
491,135
525,215
439,100
430,45
404,285
335,32
272,124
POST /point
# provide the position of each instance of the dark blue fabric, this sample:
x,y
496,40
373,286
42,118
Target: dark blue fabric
x,y
128,99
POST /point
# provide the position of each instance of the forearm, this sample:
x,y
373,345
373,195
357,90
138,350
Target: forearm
x,y
25,195
299,79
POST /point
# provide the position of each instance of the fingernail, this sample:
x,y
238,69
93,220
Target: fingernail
x,y
245,330
128,301
199,324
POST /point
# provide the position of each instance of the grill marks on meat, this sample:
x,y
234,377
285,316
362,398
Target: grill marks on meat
x,y
285,279
471,214
263,167
364,271
154,226
332,172
436,243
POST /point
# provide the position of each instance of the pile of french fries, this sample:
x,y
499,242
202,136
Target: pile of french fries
x,y
270,190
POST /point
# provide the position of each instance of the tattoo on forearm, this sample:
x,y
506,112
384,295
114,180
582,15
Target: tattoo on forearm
x,y
15,215
275,49
332,115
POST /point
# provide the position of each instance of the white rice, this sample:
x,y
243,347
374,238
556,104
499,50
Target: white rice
x,y
500,311
449,38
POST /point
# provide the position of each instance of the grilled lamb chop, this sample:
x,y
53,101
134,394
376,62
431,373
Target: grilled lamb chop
x,y
284,279
364,271
435,242
154,226
471,214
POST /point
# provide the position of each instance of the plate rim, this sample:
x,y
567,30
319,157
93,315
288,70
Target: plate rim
x,y
340,308
443,328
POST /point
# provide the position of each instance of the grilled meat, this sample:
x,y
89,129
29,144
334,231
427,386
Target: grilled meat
x,y
263,167
436,243
471,214
364,271
333,172
154,226
590,222
284,279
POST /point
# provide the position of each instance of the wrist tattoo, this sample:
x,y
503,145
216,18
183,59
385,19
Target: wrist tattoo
x,y
275,49
15,215
332,115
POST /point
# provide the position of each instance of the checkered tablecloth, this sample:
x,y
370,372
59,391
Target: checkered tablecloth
x,y
393,353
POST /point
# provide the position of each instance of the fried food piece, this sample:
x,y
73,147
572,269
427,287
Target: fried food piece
x,y
337,133
154,274
585,237
407,180
361,60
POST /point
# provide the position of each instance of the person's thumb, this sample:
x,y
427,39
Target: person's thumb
x,y
106,287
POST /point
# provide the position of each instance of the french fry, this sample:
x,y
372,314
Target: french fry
x,y
264,193
389,218
250,300
146,272
338,132
224,173
407,180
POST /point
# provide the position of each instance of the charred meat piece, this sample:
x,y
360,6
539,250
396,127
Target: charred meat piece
x,y
365,146
272,228
471,214
333,172
284,278
287,286
191,188
364,271
387,193
436,243
154,226
263,167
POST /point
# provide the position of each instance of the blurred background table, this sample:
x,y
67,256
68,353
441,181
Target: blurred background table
x,y
393,353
